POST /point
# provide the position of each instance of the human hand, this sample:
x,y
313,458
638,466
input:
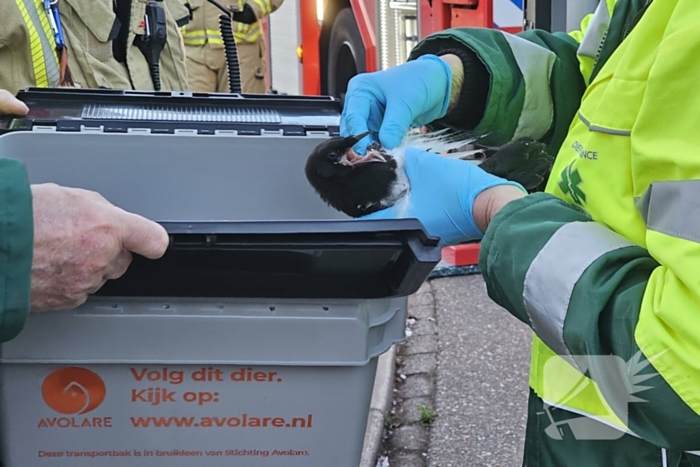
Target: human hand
x,y
454,199
10,105
80,242
389,102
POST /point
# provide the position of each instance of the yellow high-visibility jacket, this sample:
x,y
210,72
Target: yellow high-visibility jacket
x,y
604,266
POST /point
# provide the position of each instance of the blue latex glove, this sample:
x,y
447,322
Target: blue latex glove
x,y
442,195
392,101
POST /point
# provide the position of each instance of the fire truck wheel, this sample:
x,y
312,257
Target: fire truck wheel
x,y
346,53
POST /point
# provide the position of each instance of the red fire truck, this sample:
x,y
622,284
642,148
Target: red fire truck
x,y
340,38
316,46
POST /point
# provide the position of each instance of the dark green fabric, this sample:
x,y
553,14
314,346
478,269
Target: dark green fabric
x,y
520,230
602,314
602,317
541,450
566,83
16,247
506,91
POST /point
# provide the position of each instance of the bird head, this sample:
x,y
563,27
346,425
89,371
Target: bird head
x,y
348,181
337,151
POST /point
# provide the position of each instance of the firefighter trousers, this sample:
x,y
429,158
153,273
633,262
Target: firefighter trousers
x,y
207,71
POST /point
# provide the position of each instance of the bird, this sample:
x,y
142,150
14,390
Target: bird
x,y
360,185
524,160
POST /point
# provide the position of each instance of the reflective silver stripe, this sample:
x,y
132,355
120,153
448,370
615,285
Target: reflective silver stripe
x,y
591,416
642,204
601,129
535,64
595,32
664,460
672,208
552,275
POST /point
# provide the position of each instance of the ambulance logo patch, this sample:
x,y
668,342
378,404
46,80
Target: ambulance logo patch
x,y
570,184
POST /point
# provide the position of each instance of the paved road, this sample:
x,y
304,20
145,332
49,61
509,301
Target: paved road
x,y
483,358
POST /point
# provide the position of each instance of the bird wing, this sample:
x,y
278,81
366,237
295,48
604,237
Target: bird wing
x,y
524,160
444,142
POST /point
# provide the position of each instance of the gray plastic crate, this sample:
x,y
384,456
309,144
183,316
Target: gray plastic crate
x,y
231,380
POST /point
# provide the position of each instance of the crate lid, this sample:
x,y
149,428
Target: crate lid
x,y
314,288
126,111
328,259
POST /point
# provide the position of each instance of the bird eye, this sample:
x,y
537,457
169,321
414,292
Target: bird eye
x,y
334,155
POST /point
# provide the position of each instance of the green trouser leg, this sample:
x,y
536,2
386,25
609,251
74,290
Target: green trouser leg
x,y
542,450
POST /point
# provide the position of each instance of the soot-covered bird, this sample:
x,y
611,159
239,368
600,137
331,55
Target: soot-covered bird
x,y
360,185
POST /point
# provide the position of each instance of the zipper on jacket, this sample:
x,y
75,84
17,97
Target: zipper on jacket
x,y
600,47
635,19
628,29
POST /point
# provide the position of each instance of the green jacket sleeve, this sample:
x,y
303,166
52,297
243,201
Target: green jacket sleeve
x,y
16,246
580,286
534,87
536,79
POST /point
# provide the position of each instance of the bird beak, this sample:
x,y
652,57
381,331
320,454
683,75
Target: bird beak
x,y
350,158
353,140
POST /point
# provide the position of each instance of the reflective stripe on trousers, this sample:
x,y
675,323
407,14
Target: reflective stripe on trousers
x,y
201,37
42,44
242,33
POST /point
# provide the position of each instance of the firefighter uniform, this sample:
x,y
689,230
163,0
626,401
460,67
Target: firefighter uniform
x,y
206,62
29,57
603,266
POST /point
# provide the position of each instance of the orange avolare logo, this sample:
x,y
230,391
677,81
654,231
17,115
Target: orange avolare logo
x,y
73,390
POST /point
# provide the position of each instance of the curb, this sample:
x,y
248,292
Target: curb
x,y
382,395
407,438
